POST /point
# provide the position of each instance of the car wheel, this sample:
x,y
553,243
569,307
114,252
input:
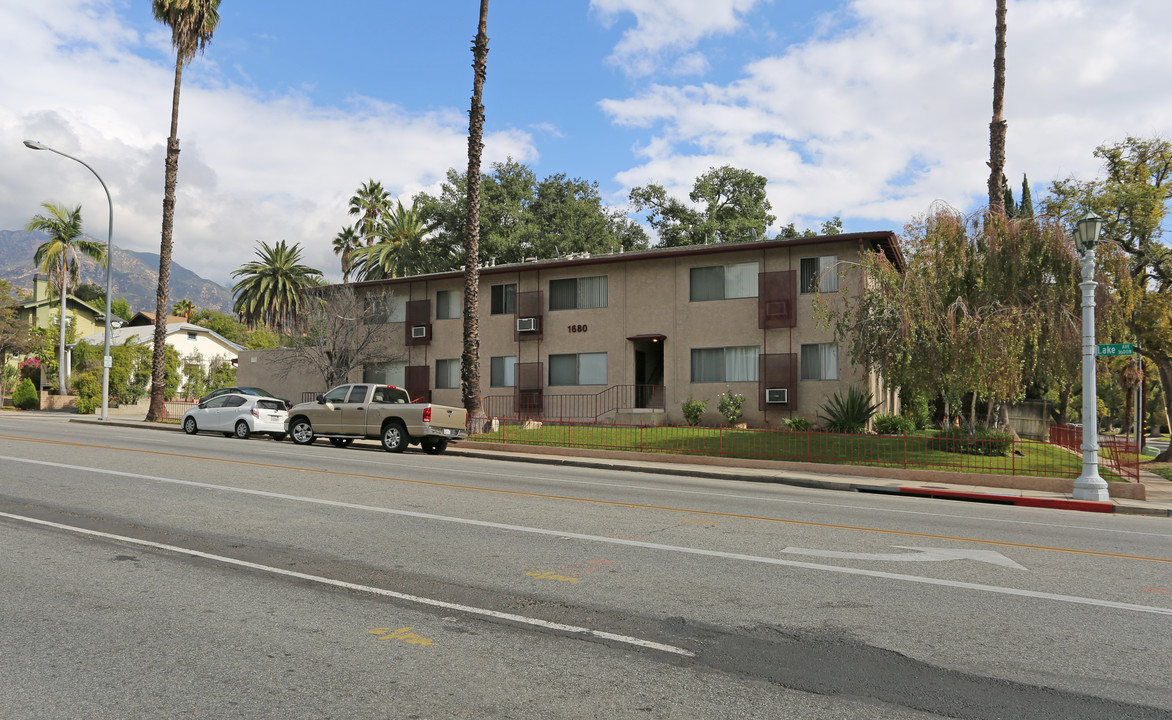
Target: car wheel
x,y
189,426
242,430
278,436
434,446
394,437
301,432
341,442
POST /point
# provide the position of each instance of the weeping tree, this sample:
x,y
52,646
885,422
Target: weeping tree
x,y
470,359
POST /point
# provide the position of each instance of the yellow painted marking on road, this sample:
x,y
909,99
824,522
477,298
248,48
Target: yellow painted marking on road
x,y
404,634
613,503
550,575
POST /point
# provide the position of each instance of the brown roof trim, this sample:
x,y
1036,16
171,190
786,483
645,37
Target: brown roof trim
x,y
648,336
882,240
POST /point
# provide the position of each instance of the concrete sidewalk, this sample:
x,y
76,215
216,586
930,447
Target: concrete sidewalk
x,y
1158,502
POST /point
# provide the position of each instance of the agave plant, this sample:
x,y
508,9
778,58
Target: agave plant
x,y
848,414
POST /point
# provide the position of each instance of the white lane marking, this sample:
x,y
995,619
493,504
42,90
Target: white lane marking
x,y
923,554
633,543
520,619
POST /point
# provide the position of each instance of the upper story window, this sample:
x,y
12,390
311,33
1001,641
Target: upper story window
x,y
820,274
723,282
447,305
384,309
578,293
504,299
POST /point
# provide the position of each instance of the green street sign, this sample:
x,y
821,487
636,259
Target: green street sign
x,y
1116,349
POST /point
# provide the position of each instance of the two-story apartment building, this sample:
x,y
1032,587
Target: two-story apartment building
x,y
630,337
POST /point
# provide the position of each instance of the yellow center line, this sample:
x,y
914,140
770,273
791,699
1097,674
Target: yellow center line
x,y
613,503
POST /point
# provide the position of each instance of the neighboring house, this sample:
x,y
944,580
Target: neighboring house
x,y
188,340
44,311
629,337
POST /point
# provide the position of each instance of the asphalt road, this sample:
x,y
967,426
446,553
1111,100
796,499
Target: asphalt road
x,y
150,574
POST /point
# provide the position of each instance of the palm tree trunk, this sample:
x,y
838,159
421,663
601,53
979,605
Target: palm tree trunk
x,y
170,178
998,127
470,361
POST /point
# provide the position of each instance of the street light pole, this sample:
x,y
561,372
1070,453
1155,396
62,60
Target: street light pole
x,y
1089,485
107,361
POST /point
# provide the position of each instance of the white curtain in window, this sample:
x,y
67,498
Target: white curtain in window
x,y
592,369
707,365
829,353
740,280
591,292
828,272
706,283
504,371
447,374
740,363
447,305
391,373
563,369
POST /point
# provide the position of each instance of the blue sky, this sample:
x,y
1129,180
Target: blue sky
x,y
867,109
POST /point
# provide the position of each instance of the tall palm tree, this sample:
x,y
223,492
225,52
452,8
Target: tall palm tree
x,y
192,24
60,255
184,307
998,127
400,250
345,243
470,359
369,204
269,291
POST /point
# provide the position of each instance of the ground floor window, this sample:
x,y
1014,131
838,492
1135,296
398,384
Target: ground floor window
x,y
820,361
725,364
390,373
503,371
577,369
447,374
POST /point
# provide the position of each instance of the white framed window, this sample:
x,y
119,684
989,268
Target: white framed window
x,y
820,361
503,371
503,299
577,369
447,305
723,282
578,293
388,373
820,274
725,364
447,374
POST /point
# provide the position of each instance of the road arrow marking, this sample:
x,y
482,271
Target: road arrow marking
x,y
923,555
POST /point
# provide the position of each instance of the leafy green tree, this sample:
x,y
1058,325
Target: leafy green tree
x,y
59,256
1026,208
26,397
269,291
192,23
221,374
400,249
728,205
184,308
120,307
16,336
368,204
1132,196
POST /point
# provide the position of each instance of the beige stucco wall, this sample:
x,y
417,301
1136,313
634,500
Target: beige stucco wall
x,y
647,295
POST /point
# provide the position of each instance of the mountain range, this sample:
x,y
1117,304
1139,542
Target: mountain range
x,y
135,276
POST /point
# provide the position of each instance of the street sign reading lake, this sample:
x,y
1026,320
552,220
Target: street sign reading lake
x,y
1116,349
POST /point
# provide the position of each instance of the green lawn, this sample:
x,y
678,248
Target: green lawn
x,y
913,451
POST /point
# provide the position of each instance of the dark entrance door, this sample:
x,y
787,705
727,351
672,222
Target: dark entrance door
x,y
648,371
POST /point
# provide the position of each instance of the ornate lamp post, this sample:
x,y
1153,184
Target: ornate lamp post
x,y
107,361
1089,485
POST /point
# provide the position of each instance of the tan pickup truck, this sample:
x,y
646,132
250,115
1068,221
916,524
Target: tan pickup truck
x,y
384,412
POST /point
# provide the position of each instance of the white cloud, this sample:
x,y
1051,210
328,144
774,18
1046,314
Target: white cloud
x,y
663,26
251,167
876,119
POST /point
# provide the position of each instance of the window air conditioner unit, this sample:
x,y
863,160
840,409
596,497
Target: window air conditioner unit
x,y
419,331
528,324
775,396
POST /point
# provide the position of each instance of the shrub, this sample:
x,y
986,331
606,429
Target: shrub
x,y
917,408
694,411
88,389
730,406
798,424
848,414
983,440
894,425
26,397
